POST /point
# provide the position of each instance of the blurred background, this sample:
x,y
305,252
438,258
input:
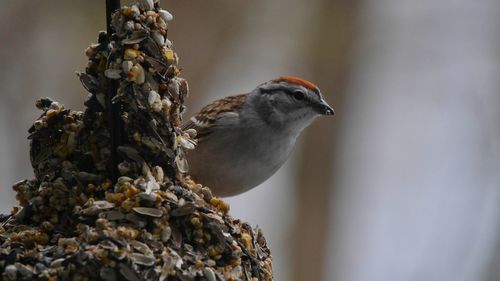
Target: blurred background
x,y
403,184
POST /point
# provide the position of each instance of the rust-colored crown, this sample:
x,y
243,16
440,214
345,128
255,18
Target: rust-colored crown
x,y
298,81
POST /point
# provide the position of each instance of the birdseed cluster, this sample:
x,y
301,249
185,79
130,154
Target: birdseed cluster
x,y
76,222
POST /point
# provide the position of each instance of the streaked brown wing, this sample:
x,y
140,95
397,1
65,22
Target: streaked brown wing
x,y
207,116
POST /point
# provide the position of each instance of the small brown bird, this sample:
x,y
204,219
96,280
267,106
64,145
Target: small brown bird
x,y
243,140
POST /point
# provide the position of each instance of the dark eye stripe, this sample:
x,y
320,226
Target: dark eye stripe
x,y
275,88
299,95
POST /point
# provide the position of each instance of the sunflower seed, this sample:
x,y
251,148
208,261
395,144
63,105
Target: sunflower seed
x,y
166,232
165,15
186,209
127,272
141,247
186,144
152,212
136,37
209,274
159,39
147,4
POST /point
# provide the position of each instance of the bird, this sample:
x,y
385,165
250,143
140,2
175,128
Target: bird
x,y
242,140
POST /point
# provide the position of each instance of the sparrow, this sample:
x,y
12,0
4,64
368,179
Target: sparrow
x,y
243,140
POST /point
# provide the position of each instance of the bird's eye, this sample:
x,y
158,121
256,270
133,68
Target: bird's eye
x,y
298,95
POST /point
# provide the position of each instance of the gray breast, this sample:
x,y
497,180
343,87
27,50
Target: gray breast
x,y
240,159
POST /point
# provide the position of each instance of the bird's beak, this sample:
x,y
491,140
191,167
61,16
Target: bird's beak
x,y
324,108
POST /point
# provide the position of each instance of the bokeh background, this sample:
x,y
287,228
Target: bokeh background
x,y
403,184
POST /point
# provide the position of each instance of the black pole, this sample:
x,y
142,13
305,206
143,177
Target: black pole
x,y
113,113
111,7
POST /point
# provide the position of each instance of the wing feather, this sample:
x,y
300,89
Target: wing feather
x,y
207,117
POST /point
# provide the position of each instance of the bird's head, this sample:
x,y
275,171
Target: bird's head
x,y
289,102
